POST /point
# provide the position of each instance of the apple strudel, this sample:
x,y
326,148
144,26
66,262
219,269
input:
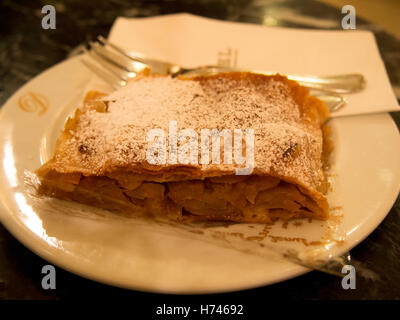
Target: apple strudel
x,y
237,147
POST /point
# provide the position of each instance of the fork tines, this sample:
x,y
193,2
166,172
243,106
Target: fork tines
x,y
111,63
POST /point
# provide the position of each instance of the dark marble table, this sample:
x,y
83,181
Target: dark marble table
x,y
26,50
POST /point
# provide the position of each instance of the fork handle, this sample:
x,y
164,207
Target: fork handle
x,y
344,83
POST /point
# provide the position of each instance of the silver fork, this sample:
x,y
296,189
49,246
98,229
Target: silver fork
x,y
117,66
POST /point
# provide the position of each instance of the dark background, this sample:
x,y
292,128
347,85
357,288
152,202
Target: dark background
x,y
26,50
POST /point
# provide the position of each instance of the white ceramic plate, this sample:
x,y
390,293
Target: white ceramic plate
x,y
367,165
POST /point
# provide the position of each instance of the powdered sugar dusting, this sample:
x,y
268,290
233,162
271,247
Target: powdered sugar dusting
x,y
284,144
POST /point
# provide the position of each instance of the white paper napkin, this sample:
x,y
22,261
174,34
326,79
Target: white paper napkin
x,y
192,41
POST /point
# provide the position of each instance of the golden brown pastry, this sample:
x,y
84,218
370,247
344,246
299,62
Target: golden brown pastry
x,y
102,156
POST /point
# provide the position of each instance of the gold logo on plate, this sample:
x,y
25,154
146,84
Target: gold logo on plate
x,y
33,102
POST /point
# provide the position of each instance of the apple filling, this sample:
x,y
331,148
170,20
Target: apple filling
x,y
224,198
